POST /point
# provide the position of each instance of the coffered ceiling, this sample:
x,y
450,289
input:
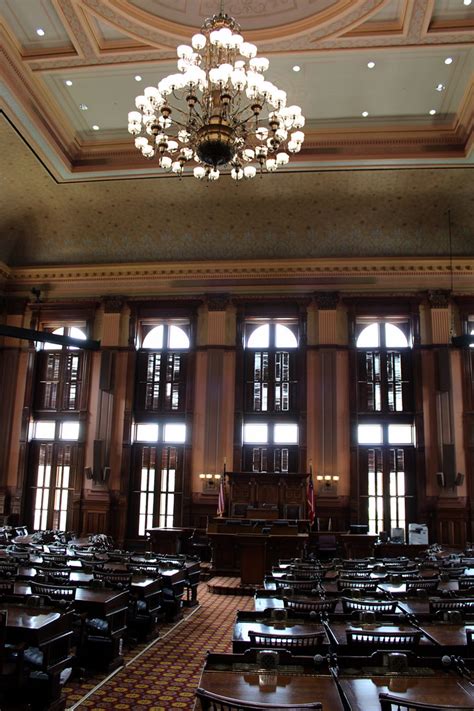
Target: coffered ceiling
x,y
92,50
362,187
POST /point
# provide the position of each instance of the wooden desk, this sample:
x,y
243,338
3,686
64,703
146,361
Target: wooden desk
x,y
435,688
252,555
51,632
170,540
449,636
396,550
295,682
358,545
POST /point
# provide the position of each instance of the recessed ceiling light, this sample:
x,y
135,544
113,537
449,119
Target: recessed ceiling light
x,y
138,77
467,2
432,112
440,87
365,114
448,60
95,127
40,32
68,82
83,107
297,68
371,65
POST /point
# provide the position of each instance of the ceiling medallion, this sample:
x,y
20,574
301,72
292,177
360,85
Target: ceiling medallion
x,y
218,111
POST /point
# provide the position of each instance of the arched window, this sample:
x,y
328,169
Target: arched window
x,y
385,433
160,431
55,433
270,427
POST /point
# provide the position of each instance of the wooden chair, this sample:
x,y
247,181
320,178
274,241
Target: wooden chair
x,y
310,605
381,607
8,568
113,579
295,574
466,582
383,640
452,603
7,587
297,585
55,558
388,702
53,592
422,584
151,571
367,585
301,643
354,575
361,564
215,702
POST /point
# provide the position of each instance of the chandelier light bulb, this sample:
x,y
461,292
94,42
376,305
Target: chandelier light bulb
x,y
217,111
198,41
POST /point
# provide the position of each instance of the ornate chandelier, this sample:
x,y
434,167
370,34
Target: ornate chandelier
x,y
218,110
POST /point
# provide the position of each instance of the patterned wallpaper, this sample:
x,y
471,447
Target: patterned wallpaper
x,y
342,213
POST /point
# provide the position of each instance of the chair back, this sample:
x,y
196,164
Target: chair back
x,y
383,607
113,579
388,702
7,587
367,585
383,640
53,592
216,702
310,605
301,643
452,603
422,584
297,585
8,567
466,582
354,575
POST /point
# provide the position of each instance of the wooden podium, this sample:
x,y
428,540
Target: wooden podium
x,y
251,550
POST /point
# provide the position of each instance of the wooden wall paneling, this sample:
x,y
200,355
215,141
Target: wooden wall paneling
x,y
95,512
452,523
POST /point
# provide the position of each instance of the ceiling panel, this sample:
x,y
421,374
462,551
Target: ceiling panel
x,y
25,17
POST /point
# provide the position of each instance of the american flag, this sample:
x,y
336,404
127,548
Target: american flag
x,y
221,497
310,497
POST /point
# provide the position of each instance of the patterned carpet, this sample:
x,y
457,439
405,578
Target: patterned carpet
x,y
164,675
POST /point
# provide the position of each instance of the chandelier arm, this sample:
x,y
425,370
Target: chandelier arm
x,y
187,115
245,120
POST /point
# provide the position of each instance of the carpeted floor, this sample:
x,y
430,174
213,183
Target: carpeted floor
x,y
164,675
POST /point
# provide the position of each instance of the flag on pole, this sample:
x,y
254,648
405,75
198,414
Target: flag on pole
x,y
310,497
221,496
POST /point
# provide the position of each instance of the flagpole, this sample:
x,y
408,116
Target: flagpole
x,y
221,495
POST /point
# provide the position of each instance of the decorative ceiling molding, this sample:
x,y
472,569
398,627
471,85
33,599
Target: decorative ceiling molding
x,y
242,276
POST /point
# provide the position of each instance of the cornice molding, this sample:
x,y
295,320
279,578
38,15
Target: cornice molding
x,y
244,276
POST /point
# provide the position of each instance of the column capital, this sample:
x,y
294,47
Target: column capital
x,y
113,304
439,298
326,300
217,302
